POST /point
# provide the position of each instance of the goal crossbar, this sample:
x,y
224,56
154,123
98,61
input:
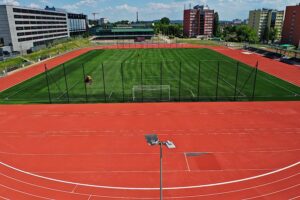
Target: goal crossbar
x,y
144,88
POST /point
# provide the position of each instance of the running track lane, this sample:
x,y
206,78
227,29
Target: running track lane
x,y
281,70
56,140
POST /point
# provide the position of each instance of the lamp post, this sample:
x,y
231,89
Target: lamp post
x,y
152,140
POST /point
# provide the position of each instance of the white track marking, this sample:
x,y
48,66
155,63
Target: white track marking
x,y
232,191
268,194
152,188
152,171
297,197
180,197
110,153
19,191
74,188
1,197
187,162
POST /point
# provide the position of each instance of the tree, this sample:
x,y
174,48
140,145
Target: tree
x,y
242,33
216,31
266,35
165,20
273,34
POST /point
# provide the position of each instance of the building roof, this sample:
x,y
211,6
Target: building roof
x,y
125,30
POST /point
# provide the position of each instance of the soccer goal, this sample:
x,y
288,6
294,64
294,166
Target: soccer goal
x,y
151,93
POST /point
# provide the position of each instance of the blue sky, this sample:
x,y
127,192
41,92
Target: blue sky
x,y
154,9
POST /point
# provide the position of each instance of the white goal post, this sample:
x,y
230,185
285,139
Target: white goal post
x,y
163,91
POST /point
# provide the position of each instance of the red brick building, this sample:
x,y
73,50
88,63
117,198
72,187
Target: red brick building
x,y
291,27
198,21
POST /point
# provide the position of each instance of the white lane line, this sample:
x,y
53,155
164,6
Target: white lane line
x,y
187,162
1,197
268,194
152,188
140,153
297,197
22,192
233,191
179,197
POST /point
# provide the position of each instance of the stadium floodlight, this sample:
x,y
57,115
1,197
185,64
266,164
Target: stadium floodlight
x,y
152,140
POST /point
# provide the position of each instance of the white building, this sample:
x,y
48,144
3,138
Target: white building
x,y
77,23
24,28
102,21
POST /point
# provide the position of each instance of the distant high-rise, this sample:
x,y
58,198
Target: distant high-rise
x,y
291,27
265,19
198,21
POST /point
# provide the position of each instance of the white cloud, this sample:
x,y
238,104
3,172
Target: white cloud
x,y
33,5
127,8
11,2
78,5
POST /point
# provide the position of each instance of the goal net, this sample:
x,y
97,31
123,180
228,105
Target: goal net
x,y
151,93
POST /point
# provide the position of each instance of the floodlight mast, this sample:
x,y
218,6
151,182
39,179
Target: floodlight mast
x,y
152,140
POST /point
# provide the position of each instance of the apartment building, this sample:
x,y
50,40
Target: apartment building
x,y
291,27
198,21
265,19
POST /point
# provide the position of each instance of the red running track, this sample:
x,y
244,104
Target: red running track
x,y
286,72
245,150
281,70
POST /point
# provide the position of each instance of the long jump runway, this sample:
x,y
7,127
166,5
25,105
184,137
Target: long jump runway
x,y
223,151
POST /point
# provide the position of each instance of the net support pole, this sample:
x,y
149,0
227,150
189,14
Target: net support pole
x,y
103,77
66,82
179,86
254,83
217,86
236,79
47,80
122,76
161,79
84,76
199,73
142,82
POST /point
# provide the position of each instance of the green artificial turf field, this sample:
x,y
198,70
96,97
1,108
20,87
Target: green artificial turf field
x,y
141,75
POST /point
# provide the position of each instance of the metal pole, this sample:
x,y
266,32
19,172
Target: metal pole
x,y
66,82
161,170
83,70
217,87
46,73
103,76
236,79
254,84
199,72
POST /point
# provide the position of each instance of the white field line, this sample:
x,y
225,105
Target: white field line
x,y
152,188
